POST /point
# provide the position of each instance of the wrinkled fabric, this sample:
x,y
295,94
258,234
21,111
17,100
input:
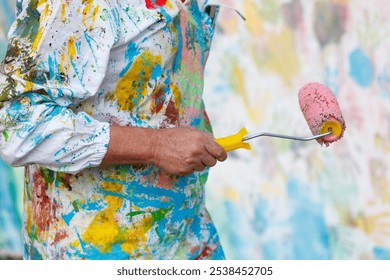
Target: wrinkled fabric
x,y
72,69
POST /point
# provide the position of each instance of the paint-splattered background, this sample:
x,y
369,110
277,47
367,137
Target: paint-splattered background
x,y
11,179
298,200
287,199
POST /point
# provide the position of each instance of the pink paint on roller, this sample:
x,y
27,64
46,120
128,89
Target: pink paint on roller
x,y
322,112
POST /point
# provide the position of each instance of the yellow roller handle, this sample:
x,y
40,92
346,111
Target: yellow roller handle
x,y
233,142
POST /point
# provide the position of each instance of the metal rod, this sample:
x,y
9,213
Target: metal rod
x,y
249,137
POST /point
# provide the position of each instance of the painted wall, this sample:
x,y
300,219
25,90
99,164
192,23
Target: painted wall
x,y
11,179
286,199
298,200
10,213
6,18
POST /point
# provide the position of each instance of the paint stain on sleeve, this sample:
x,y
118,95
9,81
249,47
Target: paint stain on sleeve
x,y
133,86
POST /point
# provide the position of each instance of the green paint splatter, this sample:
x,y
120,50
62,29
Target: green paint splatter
x,y
160,214
203,178
48,175
157,215
7,88
5,135
134,213
104,16
32,234
75,205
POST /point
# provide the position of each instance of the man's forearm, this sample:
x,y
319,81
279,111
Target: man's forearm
x,y
178,151
130,145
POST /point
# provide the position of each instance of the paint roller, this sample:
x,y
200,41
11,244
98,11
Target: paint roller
x,y
321,111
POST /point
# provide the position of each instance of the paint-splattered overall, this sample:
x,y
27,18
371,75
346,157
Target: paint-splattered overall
x,y
72,69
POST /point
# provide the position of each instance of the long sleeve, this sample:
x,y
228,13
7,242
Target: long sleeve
x,y
57,56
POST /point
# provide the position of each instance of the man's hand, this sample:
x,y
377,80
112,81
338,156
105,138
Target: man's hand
x,y
183,150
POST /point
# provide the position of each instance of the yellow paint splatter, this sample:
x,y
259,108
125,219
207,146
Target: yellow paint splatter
x,y
168,4
231,194
112,187
63,12
376,225
281,56
71,47
382,143
45,13
95,12
253,20
104,231
137,235
89,12
177,95
61,63
29,223
239,85
239,82
133,86
29,86
86,11
340,1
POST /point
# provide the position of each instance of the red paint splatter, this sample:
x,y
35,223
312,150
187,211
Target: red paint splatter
x,y
60,235
151,4
158,100
43,208
206,253
171,115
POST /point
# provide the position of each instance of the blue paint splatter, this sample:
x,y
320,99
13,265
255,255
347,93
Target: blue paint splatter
x,y
384,84
91,43
131,52
361,68
53,66
273,250
157,72
331,79
382,253
68,217
309,234
88,251
32,253
238,240
10,220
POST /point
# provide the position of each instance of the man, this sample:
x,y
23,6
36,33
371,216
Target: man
x,y
102,102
